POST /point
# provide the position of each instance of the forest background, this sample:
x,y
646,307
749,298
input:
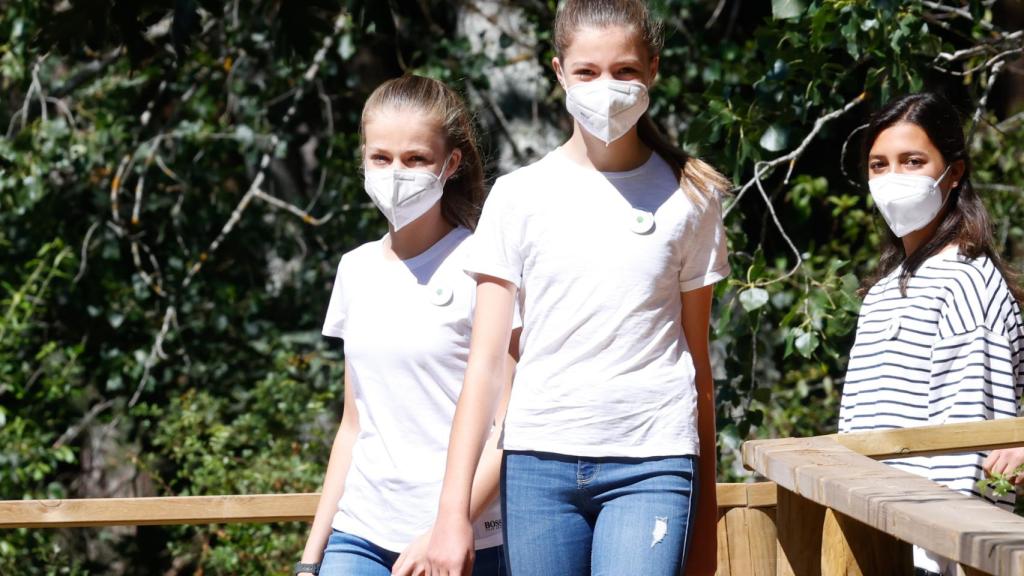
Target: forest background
x,y
178,179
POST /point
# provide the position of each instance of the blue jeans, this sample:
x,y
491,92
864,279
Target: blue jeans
x,y
348,555
567,516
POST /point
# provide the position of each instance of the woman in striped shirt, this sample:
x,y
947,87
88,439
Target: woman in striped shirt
x,y
940,337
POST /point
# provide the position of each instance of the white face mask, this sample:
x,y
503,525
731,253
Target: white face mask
x,y
404,195
908,202
607,108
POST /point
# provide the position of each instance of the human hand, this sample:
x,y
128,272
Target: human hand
x,y
450,552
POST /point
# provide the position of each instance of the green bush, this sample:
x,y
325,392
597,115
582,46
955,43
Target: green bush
x,y
160,327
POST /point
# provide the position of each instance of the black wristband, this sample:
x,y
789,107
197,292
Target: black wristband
x,y
313,569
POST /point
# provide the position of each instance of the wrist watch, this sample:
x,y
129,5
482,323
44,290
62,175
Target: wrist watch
x,y
300,567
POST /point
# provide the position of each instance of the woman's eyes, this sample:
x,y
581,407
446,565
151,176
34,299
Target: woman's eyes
x,y
382,160
911,162
622,72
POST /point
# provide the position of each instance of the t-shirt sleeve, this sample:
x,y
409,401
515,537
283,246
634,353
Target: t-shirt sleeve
x,y
972,378
497,242
706,255
517,317
334,323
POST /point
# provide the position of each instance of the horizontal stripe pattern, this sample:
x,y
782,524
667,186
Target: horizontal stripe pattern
x,y
948,351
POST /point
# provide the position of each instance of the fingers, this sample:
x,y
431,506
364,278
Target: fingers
x,y
401,567
990,461
449,568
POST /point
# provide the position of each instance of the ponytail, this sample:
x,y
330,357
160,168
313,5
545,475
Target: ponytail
x,y
697,178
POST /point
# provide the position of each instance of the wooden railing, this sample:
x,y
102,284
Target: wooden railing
x,y
79,513
746,529
841,512
835,510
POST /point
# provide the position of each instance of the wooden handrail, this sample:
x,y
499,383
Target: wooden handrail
x,y
939,439
911,508
231,509
157,511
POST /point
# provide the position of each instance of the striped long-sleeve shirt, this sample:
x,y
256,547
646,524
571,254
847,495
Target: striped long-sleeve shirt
x,y
949,351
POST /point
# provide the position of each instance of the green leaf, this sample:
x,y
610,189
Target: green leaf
x,y
787,9
806,343
753,298
775,138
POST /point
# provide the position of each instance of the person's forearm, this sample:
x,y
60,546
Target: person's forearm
x,y
696,318
708,462
334,478
334,485
488,473
473,417
485,484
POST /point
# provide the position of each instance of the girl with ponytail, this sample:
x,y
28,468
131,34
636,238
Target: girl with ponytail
x,y
610,245
403,307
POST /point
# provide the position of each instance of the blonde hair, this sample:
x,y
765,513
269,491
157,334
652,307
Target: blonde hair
x,y
696,177
464,192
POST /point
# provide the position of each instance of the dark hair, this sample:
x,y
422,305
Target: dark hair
x,y
464,192
965,221
694,174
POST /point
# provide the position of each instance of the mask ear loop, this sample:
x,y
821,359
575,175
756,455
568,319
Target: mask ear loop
x,y
939,181
444,168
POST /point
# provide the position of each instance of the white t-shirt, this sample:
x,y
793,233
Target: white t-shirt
x,y
600,260
406,326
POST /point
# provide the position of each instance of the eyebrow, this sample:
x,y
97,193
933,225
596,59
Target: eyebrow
x,y
629,62
416,151
904,153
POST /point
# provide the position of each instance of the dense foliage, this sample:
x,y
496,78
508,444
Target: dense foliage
x,y
169,169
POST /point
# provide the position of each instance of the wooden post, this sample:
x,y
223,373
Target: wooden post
x,y
746,542
851,548
724,566
799,522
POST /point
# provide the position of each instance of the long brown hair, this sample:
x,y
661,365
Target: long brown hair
x,y
694,174
464,191
965,221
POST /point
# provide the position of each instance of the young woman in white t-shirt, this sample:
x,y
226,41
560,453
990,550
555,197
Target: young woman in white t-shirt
x,y
403,307
940,337
611,243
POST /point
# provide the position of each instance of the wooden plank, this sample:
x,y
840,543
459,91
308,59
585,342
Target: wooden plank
x,y
154,511
740,561
966,529
746,542
798,522
236,508
724,566
755,495
753,539
940,439
851,548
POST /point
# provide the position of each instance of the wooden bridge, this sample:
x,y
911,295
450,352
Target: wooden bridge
x,y
830,509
